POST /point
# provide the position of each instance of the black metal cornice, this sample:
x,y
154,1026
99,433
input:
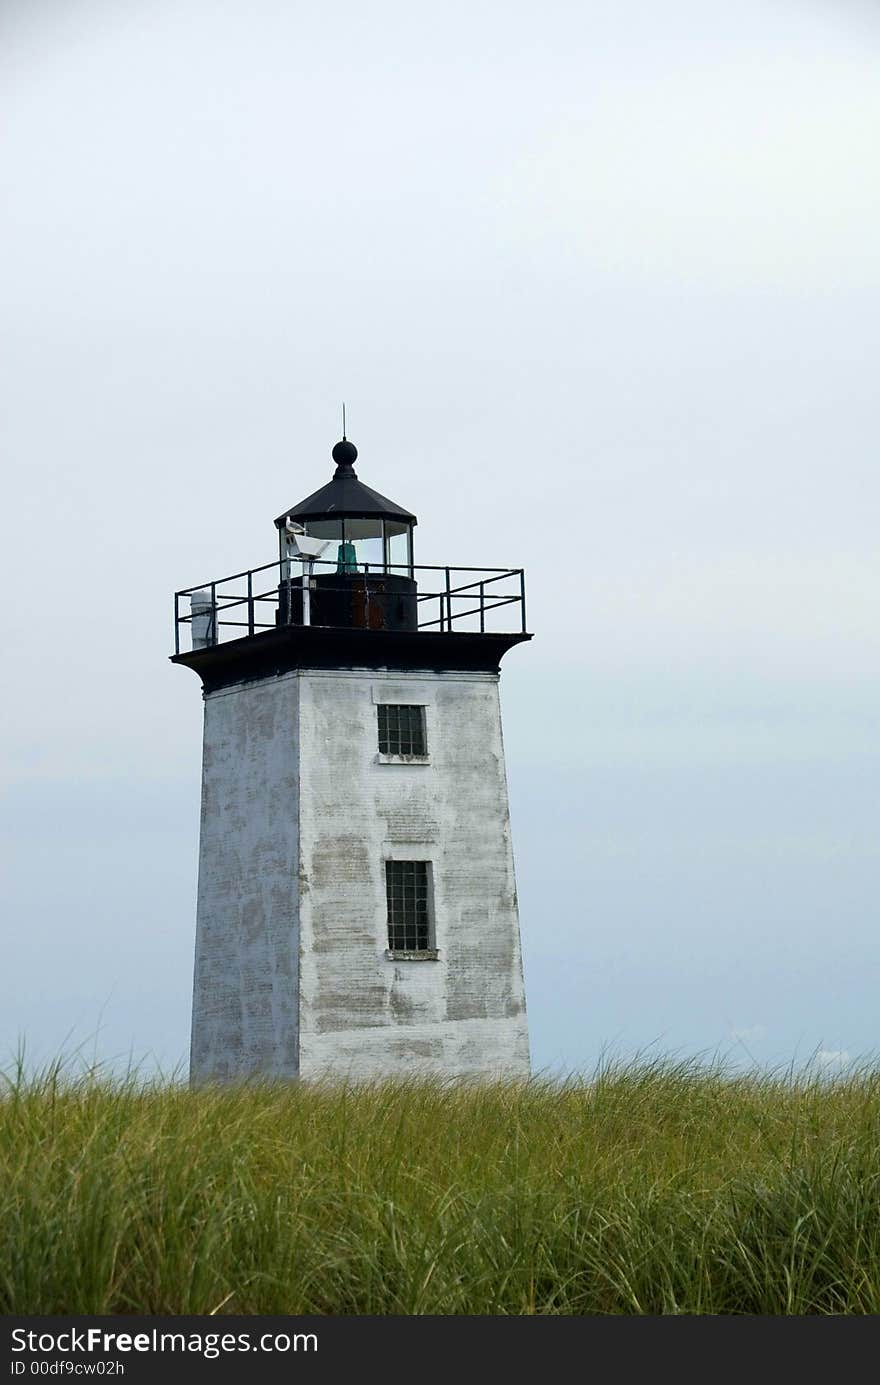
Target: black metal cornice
x,y
273,652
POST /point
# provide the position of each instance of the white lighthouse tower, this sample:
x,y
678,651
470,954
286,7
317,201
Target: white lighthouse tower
x,y
357,912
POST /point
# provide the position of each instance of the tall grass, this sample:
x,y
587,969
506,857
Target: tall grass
x,y
649,1189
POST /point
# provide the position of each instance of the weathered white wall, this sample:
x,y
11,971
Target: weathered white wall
x,y
299,816
362,1013
247,945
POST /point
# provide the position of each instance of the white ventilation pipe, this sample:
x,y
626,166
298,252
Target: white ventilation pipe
x,y
203,633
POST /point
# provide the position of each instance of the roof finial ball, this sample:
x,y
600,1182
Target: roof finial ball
x,y
344,455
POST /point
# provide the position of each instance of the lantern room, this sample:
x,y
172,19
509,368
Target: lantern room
x,y
356,551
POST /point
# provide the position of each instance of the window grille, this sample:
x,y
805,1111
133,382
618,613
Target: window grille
x,y
406,886
402,730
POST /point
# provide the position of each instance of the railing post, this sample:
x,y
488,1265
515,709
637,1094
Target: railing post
x,y
176,623
482,608
214,633
250,603
448,603
522,597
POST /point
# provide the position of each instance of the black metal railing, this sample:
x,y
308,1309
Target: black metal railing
x,y
263,598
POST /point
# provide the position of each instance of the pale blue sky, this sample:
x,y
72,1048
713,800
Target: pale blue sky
x,y
600,284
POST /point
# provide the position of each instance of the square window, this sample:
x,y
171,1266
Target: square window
x,y
406,888
402,730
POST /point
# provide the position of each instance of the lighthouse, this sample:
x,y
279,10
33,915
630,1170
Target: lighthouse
x,y
357,911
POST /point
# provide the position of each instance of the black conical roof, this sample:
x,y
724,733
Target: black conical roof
x,y
345,497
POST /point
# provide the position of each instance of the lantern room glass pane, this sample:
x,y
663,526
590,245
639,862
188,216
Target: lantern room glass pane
x,y
397,538
325,529
363,544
